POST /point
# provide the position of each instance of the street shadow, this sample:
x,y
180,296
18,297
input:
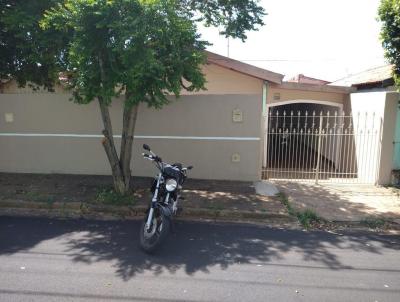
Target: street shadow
x,y
194,247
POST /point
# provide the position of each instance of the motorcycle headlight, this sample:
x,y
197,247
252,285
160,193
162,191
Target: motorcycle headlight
x,y
171,184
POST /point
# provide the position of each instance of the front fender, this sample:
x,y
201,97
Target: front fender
x,y
164,209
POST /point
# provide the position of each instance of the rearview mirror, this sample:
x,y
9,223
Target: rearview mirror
x,y
146,147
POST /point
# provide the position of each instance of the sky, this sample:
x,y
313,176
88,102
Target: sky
x,y
325,39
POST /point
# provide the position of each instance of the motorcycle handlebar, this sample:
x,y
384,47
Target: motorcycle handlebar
x,y
152,157
158,159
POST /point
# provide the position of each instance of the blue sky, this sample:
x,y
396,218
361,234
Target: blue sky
x,y
327,39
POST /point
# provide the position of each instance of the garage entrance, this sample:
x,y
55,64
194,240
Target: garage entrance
x,y
316,141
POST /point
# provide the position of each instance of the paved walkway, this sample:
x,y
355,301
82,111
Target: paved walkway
x,y
343,202
223,198
229,199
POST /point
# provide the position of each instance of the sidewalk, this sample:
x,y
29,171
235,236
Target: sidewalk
x,y
88,196
343,202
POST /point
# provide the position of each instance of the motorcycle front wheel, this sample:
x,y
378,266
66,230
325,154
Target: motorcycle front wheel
x,y
152,238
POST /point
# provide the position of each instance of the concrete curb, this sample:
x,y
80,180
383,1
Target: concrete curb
x,y
109,212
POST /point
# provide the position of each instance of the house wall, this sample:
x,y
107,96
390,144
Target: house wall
x,y
388,134
294,94
396,156
50,134
382,105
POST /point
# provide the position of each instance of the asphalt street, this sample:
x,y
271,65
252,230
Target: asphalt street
x,y
81,260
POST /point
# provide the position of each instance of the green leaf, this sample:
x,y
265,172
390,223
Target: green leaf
x,y
389,16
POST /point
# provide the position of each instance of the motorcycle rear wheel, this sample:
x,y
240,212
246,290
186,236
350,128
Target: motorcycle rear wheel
x,y
151,239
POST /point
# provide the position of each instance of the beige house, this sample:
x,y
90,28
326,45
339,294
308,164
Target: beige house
x,y
222,131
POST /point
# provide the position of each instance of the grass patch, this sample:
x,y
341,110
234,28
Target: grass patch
x,y
285,201
306,218
373,223
110,197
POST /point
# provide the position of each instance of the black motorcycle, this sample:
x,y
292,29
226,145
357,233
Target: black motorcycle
x,y
165,190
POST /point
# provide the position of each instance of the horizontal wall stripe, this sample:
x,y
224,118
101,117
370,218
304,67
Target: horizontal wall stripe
x,y
217,138
71,135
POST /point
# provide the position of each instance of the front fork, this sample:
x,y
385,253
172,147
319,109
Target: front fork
x,y
153,203
175,204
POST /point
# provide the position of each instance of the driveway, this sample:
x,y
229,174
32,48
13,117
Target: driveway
x,y
82,260
343,202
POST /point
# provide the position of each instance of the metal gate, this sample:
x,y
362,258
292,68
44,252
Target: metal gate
x,y
322,147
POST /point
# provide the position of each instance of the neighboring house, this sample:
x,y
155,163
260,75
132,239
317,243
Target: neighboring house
x,y
301,78
246,125
371,79
378,82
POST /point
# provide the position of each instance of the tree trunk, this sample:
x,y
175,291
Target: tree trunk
x,y
109,147
128,130
120,167
108,140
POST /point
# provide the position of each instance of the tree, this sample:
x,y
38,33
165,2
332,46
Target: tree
x,y
389,15
141,50
27,53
